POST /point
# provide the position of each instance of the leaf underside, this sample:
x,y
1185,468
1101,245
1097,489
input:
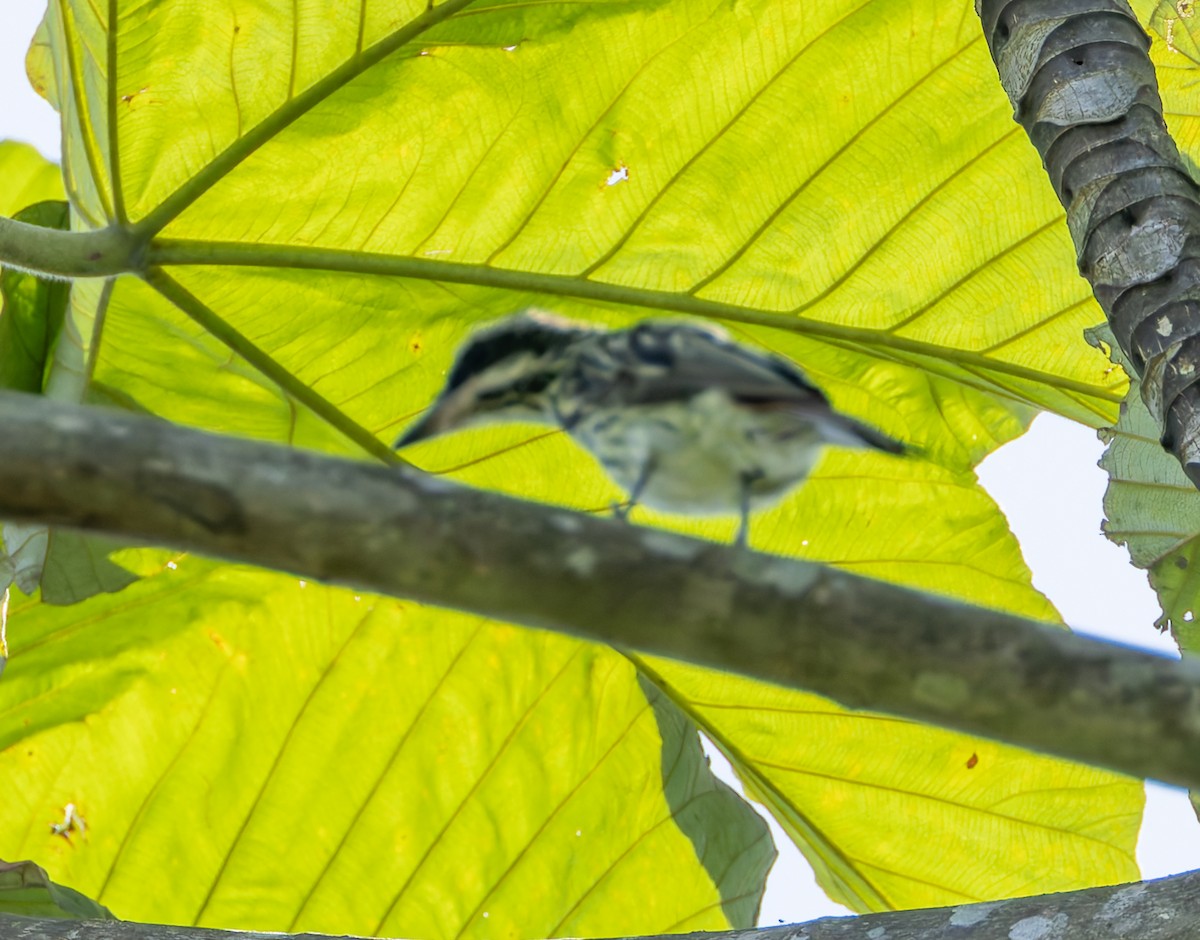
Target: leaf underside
x,y
336,201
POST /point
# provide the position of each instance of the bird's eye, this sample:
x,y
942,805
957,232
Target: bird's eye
x,y
651,346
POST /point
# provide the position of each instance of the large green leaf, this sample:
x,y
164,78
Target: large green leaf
x,y
893,814
828,196
67,566
250,750
1154,509
31,310
26,890
28,177
335,199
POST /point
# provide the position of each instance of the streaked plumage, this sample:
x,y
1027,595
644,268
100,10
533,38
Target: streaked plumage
x,y
682,418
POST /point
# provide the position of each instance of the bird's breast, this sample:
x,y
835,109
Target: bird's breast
x,y
699,451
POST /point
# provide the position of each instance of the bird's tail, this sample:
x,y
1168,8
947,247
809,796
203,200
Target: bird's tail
x,y
881,441
846,432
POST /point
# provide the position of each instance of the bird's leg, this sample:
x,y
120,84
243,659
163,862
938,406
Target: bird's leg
x,y
743,532
622,510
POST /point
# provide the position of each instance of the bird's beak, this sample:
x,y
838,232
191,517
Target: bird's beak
x,y
426,427
447,413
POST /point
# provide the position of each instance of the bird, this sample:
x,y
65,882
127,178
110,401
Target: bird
x,y
683,418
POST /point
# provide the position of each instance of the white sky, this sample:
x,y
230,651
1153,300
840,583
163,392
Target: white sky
x,y
1047,483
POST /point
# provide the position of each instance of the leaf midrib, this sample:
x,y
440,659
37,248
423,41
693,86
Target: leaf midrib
x,y
286,114
845,868
186,252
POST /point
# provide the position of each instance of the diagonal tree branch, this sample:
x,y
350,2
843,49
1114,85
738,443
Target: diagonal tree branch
x,y
1083,87
213,324
394,530
1165,909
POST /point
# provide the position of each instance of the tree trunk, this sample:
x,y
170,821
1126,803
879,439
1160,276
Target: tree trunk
x,y
1083,87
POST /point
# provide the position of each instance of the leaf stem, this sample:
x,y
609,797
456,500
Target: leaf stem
x,y
57,254
186,252
223,163
191,305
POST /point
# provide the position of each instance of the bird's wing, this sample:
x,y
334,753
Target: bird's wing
x,y
669,361
659,361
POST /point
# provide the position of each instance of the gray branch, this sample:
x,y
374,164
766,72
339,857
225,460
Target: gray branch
x,y
397,531
1167,909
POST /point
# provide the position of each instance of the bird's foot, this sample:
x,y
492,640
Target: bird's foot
x,y
742,539
622,510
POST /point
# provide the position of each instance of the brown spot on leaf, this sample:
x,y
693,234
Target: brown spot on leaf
x,y
972,761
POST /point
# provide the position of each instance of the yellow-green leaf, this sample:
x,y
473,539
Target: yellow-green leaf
x,y
251,751
26,177
458,151
31,311
332,200
1153,509
893,814
26,890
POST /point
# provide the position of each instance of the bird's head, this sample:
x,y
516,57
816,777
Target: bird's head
x,y
502,373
